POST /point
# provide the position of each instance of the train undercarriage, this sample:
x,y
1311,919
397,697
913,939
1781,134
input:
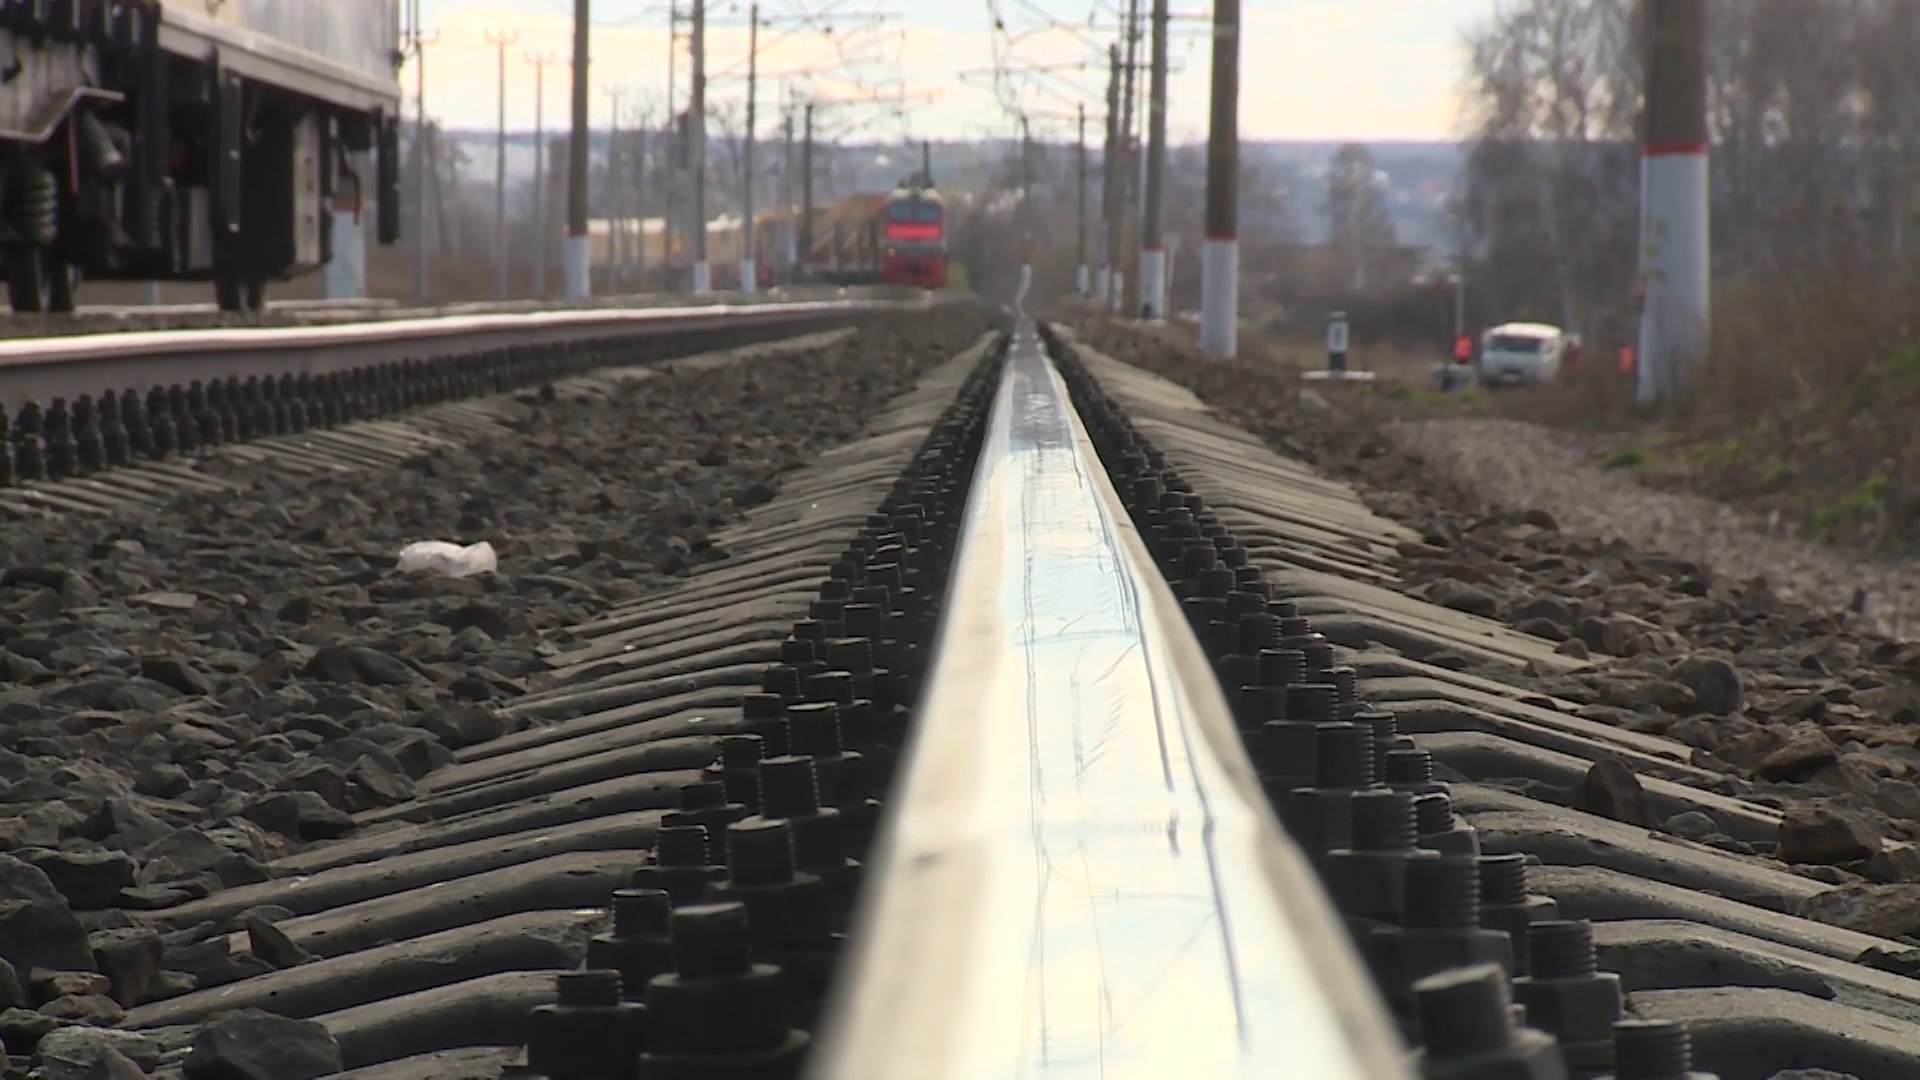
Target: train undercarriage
x,y
135,150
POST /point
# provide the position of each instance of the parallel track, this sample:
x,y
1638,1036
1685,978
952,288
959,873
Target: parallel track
x,y
936,777
71,406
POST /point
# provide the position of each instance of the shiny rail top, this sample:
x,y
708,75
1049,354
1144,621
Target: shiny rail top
x,y
68,348
1079,877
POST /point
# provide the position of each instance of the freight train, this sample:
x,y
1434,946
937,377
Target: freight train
x,y
190,140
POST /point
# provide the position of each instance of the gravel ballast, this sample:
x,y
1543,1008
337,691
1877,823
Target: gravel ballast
x,y
1809,710
186,696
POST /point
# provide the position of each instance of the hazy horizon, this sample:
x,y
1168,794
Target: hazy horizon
x,y
1378,71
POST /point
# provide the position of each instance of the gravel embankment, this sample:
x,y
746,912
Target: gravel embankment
x,y
1511,463
1806,708
186,696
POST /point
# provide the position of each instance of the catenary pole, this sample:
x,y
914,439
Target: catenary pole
x,y
1130,164
500,39
1676,275
1107,289
1153,248
1080,195
1220,257
748,256
540,237
697,116
578,284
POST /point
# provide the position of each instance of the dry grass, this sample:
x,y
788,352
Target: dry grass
x,y
1807,406
1804,409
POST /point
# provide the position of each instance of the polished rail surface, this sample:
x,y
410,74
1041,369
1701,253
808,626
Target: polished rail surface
x,y
38,368
1080,876
68,348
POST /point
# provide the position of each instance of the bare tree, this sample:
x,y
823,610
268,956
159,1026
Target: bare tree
x,y
1813,106
1358,224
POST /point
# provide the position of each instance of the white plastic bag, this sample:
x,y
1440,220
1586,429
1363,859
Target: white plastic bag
x,y
449,559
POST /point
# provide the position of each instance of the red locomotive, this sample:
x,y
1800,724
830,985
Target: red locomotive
x,y
915,236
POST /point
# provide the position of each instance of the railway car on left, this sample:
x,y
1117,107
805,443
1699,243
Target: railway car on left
x,y
190,140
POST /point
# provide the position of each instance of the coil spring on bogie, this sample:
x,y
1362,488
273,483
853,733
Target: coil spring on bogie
x,y
31,201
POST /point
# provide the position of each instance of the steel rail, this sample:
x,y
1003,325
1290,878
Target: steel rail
x,y
39,368
1079,875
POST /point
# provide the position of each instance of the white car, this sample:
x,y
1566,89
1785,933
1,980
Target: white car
x,y
1521,353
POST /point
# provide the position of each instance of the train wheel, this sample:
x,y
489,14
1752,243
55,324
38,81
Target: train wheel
x,y
40,281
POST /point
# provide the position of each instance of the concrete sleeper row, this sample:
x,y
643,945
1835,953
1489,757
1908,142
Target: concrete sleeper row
x,y
60,440
1482,977
724,944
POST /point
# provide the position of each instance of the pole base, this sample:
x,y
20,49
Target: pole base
x,y
1153,284
579,281
1219,297
1080,280
749,276
1675,204
702,278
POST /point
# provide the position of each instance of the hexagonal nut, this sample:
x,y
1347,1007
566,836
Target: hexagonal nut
x,y
1515,918
1369,884
1460,840
1588,1060
1532,1055
1401,956
1573,1010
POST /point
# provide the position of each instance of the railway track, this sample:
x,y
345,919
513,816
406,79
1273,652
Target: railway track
x,y
115,318
935,776
75,406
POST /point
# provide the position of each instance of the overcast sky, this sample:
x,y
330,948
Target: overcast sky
x,y
1313,69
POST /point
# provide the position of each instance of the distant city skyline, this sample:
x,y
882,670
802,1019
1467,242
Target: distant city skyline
x,y
1369,70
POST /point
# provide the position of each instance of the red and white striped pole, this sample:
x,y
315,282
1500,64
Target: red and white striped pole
x,y
1676,273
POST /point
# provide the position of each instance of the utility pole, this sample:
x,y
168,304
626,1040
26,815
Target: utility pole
x,y
697,116
416,44
806,190
1220,260
1130,284
500,40
1026,217
540,62
640,203
747,262
1026,188
786,191
579,285
1675,273
1110,186
670,199
1080,217
1153,251
616,195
